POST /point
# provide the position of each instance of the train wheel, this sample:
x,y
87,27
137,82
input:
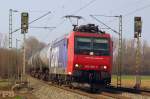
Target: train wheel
x,y
91,87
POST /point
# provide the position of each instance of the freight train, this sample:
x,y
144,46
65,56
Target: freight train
x,y
82,56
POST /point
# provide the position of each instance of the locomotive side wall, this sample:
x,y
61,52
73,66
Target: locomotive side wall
x,y
58,57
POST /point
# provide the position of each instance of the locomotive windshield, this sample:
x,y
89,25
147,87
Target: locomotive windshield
x,y
85,45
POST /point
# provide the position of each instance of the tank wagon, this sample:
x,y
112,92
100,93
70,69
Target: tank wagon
x,y
83,56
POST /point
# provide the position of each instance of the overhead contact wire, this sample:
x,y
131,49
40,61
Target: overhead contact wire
x,y
83,7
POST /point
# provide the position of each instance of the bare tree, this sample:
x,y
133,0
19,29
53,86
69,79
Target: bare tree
x,y
3,40
32,46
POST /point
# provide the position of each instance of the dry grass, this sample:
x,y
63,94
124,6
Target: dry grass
x,y
4,85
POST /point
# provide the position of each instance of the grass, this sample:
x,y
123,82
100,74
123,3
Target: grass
x,y
3,84
129,81
15,97
131,77
25,96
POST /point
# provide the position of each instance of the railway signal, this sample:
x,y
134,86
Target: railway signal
x,y
24,30
24,22
137,27
137,35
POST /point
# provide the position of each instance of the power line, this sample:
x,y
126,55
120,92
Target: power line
x,y
104,15
45,27
127,14
56,27
31,11
81,8
129,4
104,24
137,10
37,11
85,6
40,17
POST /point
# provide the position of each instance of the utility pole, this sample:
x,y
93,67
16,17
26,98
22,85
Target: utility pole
x,y
10,44
119,69
138,61
24,55
10,28
24,30
119,33
24,58
18,71
137,35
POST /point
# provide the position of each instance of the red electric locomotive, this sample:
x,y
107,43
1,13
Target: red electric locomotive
x,y
90,55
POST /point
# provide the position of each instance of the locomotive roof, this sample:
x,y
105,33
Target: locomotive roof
x,y
89,29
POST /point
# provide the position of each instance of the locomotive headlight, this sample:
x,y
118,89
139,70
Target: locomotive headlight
x,y
76,65
69,73
105,67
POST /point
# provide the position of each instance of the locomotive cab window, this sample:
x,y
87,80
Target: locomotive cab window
x,y
82,45
85,45
100,46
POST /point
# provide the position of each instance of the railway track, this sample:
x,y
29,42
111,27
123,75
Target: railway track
x,y
111,92
114,92
102,95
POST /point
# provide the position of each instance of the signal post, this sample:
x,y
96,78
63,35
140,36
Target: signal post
x,y
24,30
137,35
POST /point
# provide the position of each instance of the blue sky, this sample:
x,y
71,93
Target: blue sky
x,y
60,8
